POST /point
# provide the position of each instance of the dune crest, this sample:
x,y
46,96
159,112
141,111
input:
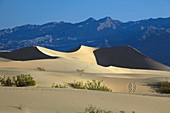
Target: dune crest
x,y
85,54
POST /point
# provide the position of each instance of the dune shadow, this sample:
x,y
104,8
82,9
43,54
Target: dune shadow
x,y
160,87
20,107
127,57
24,54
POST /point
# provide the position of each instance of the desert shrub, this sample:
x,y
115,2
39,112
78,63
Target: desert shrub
x,y
40,69
24,80
93,109
2,80
96,85
6,81
122,111
90,85
81,71
78,85
163,87
59,86
19,81
133,112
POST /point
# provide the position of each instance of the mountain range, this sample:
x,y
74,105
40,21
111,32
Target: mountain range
x,y
149,36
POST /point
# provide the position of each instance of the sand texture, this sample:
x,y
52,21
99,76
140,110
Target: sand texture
x,y
81,65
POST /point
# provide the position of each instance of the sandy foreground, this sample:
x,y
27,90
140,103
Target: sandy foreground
x,y
75,66
45,100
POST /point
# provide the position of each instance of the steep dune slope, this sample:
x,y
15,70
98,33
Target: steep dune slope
x,y
84,54
126,57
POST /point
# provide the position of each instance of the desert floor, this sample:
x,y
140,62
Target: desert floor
x,y
44,99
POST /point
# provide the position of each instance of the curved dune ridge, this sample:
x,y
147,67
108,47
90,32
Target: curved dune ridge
x,y
85,54
125,56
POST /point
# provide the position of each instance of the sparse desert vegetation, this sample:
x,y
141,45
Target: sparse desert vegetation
x,y
94,109
164,87
81,71
161,87
18,81
59,86
78,85
40,69
90,85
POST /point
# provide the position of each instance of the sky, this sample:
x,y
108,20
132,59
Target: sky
x,y
19,12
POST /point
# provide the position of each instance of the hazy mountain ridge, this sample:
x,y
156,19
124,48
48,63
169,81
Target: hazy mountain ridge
x,y
150,36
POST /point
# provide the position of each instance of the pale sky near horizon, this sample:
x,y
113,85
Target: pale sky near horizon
x,y
19,12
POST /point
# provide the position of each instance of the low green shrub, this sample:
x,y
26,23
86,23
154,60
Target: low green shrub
x,y
81,71
96,85
78,85
93,109
90,85
19,81
0,79
40,69
59,86
24,80
163,87
6,81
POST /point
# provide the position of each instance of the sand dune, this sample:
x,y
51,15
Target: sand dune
x,y
28,53
34,53
127,57
84,54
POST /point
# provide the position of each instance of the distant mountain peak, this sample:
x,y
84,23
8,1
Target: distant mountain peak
x,y
61,22
90,19
106,18
107,22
